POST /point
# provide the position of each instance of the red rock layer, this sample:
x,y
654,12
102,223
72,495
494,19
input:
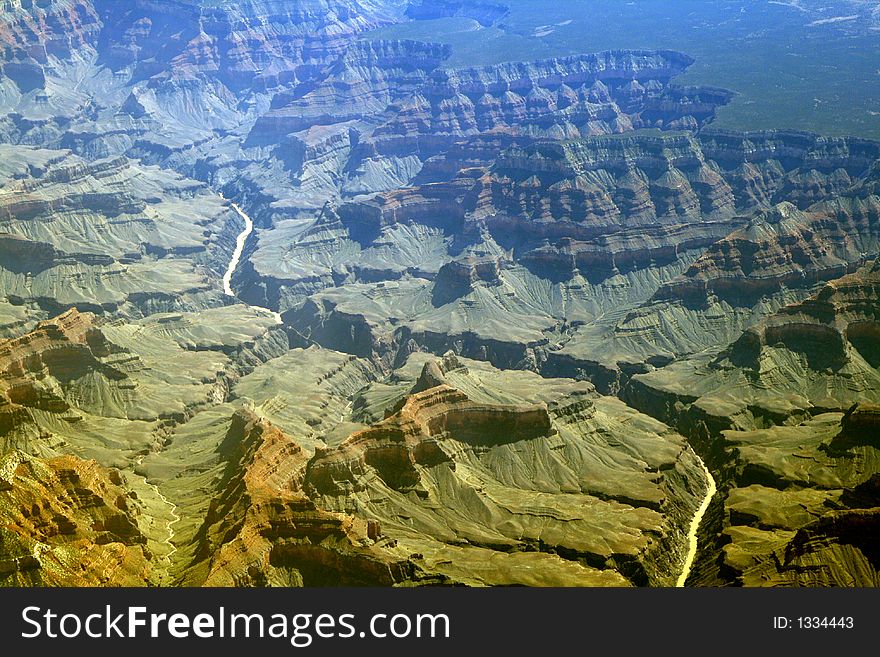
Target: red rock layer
x,y
57,350
68,522
262,529
414,436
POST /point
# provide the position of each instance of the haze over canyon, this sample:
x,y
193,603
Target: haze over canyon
x,y
291,295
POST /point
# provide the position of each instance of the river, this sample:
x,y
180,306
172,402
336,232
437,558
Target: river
x,y
227,288
698,517
695,525
239,250
240,242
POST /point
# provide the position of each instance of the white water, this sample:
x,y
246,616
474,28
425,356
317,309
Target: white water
x,y
236,259
695,525
239,249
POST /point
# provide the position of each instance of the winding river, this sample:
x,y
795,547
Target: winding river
x,y
227,288
236,258
239,250
695,525
698,517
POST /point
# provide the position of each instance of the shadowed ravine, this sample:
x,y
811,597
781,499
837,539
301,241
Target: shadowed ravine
x,y
234,262
239,249
169,525
695,526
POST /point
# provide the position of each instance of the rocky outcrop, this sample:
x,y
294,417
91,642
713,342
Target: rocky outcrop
x,y
408,109
363,82
443,205
32,33
780,257
657,194
858,428
788,416
829,329
413,437
651,178
444,460
560,98
109,222
589,217
779,532
52,508
839,548
262,42
815,167
261,529
457,278
783,247
798,484
64,383
807,358
35,368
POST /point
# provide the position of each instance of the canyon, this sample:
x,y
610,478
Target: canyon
x,y
282,304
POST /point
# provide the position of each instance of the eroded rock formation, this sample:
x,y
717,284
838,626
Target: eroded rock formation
x,y
573,224
262,530
445,460
69,522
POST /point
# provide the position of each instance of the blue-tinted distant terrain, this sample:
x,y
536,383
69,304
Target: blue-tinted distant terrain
x,y
804,65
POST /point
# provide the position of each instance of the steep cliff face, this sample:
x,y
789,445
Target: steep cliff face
x,y
661,178
649,178
560,98
780,246
802,506
396,447
262,530
781,256
170,81
69,522
362,83
459,278
682,252
809,357
488,478
75,232
103,391
78,386
830,329
788,416
38,370
511,484
33,33
244,44
409,108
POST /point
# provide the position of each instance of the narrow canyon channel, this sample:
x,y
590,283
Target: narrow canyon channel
x,y
239,250
695,525
236,258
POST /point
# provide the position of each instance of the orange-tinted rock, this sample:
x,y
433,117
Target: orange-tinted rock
x,y
59,349
68,522
262,529
414,437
